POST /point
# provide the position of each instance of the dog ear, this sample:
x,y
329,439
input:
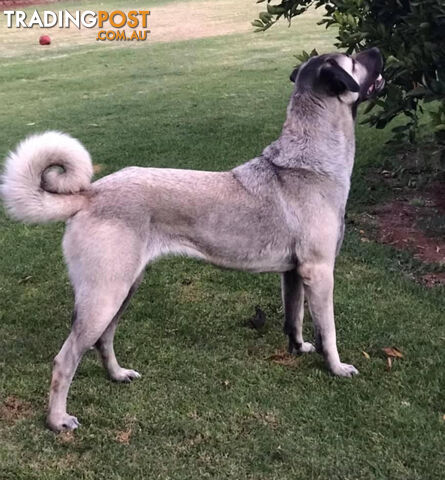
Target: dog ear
x,y
338,79
294,74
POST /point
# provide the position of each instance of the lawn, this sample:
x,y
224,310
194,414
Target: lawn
x,y
212,402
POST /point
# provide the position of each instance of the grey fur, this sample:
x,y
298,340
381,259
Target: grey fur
x,y
280,212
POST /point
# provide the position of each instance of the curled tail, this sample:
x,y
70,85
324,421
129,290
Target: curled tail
x,y
44,179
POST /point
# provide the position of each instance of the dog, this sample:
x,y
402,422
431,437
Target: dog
x,y
281,212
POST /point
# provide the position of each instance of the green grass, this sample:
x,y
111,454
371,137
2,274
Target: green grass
x,y
210,403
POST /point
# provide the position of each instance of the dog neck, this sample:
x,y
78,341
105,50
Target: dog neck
x,y
318,135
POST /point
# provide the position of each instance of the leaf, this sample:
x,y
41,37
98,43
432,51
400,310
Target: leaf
x,y
369,107
392,352
366,355
417,92
400,129
265,17
314,53
274,10
24,279
97,168
124,437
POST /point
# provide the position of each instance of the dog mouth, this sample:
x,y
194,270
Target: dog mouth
x,y
376,87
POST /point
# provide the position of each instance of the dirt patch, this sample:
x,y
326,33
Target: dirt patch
x,y
415,221
399,226
281,357
13,409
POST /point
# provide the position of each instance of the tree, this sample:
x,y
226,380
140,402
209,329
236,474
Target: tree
x,y
411,36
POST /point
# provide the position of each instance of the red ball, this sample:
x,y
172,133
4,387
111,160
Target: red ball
x,y
44,40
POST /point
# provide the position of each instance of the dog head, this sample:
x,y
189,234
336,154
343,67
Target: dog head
x,y
350,78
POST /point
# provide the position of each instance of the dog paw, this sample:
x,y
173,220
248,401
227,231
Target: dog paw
x,y
63,423
306,347
299,348
344,370
125,375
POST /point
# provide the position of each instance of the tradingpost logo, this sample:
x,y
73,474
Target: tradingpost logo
x,y
111,25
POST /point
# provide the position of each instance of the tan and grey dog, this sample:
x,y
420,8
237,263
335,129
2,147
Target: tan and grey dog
x,y
280,212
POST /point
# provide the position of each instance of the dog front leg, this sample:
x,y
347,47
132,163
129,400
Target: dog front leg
x,y
318,282
292,290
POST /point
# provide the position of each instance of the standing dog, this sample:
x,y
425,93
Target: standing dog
x,y
281,212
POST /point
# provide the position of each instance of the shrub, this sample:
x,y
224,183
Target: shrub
x,y
411,36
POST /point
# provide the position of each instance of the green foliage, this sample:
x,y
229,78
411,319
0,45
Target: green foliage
x,y
410,34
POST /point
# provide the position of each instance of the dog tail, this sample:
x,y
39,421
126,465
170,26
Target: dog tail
x,y
45,178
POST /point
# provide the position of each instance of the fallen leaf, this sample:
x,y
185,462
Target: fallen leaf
x,y
366,355
124,437
25,279
392,352
97,168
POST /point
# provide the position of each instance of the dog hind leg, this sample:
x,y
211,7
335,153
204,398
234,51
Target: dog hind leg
x,y
105,343
293,302
96,306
